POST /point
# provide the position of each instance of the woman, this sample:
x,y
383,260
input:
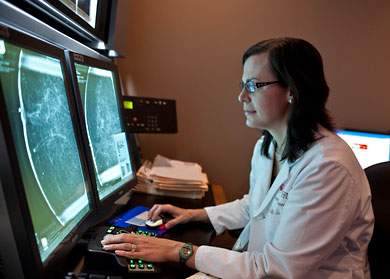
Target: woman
x,y
308,213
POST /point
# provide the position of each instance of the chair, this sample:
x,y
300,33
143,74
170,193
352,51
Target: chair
x,y
379,178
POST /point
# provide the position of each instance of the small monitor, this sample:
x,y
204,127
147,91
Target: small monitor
x,y
369,147
44,174
100,107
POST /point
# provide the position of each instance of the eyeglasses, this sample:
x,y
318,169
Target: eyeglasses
x,y
251,86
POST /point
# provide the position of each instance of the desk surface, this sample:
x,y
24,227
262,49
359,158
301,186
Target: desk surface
x,y
195,232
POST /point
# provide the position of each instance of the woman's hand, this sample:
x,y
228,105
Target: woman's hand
x,y
152,249
180,215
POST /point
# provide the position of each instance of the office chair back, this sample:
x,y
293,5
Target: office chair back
x,y
379,178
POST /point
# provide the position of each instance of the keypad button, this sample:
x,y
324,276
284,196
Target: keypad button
x,y
133,266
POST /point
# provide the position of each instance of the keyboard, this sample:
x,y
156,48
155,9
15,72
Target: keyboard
x,y
96,258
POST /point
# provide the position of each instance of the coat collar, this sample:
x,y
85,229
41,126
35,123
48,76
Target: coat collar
x,y
279,180
282,176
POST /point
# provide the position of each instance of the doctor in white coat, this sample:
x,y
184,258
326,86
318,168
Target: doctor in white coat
x,y
308,213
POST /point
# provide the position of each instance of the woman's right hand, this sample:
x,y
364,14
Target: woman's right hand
x,y
180,215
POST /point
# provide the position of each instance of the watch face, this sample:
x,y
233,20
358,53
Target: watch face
x,y
186,251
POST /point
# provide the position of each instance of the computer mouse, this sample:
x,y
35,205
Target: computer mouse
x,y
154,224
159,223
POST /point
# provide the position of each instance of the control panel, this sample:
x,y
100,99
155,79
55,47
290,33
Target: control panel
x,y
150,115
97,258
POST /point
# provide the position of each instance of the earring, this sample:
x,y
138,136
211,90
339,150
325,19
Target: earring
x,y
290,100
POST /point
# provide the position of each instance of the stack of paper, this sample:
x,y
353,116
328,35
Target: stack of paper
x,y
172,178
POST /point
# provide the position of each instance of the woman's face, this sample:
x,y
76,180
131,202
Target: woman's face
x,y
268,106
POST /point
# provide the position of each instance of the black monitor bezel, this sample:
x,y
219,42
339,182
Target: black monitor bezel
x,y
106,204
12,183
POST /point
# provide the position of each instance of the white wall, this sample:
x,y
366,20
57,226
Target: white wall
x,y
190,50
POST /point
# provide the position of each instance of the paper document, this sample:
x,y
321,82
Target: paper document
x,y
173,169
172,178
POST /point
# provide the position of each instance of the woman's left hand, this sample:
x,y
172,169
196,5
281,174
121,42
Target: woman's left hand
x,y
147,248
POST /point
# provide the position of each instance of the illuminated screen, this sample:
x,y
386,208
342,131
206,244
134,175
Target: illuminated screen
x,y
43,135
106,135
369,148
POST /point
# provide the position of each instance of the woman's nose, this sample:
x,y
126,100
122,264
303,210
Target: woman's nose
x,y
243,97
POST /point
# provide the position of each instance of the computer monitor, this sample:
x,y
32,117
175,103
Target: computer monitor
x,y
100,107
46,200
369,147
88,21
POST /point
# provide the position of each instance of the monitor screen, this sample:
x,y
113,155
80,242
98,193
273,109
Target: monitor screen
x,y
369,147
99,100
42,141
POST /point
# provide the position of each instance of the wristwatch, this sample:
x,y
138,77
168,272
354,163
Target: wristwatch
x,y
185,252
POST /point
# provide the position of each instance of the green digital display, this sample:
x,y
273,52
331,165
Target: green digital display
x,y
128,104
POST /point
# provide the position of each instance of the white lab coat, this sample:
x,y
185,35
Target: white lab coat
x,y
315,221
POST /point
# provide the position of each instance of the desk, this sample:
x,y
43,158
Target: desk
x,y
195,232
